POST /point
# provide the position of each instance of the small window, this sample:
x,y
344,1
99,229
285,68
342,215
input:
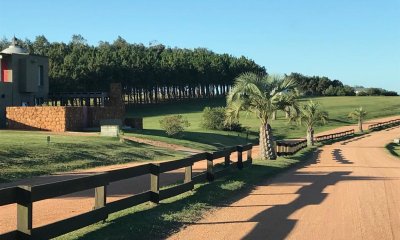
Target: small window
x,y
40,76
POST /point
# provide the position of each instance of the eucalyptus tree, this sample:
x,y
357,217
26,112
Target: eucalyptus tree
x,y
358,114
262,95
310,115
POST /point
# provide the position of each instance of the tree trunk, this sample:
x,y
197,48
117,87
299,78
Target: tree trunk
x,y
270,143
310,137
360,126
287,113
267,146
274,115
263,142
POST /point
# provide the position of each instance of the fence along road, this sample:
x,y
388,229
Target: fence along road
x,y
26,196
349,190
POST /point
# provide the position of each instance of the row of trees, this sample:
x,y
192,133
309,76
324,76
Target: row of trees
x,y
148,73
323,86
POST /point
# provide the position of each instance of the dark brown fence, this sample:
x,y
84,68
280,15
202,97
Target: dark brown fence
x,y
382,125
333,136
290,147
25,196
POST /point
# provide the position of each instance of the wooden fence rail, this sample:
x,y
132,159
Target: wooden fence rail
x,y
334,136
25,195
290,147
382,125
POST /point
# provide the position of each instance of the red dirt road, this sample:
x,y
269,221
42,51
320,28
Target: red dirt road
x,y
349,190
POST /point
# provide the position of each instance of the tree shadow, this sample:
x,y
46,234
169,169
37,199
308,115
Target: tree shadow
x,y
213,139
165,108
391,147
274,223
341,121
338,156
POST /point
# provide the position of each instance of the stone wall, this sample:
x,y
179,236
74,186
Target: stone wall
x,y
66,118
36,118
60,118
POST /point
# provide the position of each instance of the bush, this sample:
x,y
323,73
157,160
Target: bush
x,y
174,125
235,127
213,118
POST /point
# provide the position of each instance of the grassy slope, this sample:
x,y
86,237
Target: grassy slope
x,y
26,154
150,221
338,108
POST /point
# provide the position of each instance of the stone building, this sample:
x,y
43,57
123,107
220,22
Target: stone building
x,y
24,79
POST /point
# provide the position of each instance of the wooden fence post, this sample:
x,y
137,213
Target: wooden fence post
x,y
227,160
100,198
24,212
210,166
239,150
155,183
188,174
249,157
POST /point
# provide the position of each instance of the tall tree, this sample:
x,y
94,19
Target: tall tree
x,y
260,94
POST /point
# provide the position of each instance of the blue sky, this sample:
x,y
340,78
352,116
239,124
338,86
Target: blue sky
x,y
355,41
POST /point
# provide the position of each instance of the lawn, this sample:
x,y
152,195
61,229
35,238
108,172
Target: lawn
x,y
151,221
27,154
197,137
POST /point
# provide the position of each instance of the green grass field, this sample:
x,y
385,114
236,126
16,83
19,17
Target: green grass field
x,y
27,154
197,137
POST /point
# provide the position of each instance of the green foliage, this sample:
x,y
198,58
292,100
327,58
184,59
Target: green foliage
x,y
321,86
213,118
216,119
310,115
358,114
147,73
259,94
174,125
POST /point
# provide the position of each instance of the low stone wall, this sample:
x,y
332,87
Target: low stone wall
x,y
59,118
36,118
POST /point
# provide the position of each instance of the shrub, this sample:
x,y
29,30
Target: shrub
x,y
213,118
235,127
174,125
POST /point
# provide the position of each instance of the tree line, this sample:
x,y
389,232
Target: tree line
x,y
323,86
154,73
148,74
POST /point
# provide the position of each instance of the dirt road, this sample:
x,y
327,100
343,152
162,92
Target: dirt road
x,y
350,190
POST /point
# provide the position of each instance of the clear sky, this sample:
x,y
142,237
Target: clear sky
x,y
355,41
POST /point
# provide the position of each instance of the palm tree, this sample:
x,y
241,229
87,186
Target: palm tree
x,y
359,115
310,115
261,95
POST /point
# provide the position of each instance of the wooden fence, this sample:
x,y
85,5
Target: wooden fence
x,y
290,147
25,196
382,125
334,136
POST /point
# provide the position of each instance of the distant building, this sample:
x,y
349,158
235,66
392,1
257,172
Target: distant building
x,y
24,78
